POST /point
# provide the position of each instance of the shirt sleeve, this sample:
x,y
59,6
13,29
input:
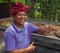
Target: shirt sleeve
x,y
9,41
33,28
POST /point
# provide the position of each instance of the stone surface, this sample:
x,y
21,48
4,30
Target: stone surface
x,y
46,44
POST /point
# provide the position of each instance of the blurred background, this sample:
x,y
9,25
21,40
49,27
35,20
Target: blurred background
x,y
44,10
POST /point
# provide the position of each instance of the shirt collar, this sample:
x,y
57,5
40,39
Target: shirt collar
x,y
16,28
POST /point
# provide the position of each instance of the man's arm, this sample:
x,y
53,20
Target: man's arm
x,y
28,49
18,51
45,30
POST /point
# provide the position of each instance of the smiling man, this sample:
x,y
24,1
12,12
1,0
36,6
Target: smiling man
x,y
17,35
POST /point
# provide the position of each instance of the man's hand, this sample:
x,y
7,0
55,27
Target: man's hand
x,y
45,30
31,47
57,33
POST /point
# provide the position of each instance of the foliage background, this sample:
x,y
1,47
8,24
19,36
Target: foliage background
x,y
44,10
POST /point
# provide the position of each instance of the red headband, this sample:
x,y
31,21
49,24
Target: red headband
x,y
19,7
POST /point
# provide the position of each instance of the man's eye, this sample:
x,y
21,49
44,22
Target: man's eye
x,y
23,14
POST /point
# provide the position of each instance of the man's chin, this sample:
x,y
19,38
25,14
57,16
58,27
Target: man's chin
x,y
22,23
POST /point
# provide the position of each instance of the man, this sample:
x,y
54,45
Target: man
x,y
17,35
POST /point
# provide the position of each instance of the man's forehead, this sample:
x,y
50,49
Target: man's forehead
x,y
21,13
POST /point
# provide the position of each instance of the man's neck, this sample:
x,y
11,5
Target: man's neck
x,y
20,26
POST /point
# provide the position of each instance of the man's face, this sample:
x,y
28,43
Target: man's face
x,y
20,17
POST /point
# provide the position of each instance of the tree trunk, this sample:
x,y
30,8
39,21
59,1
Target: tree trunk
x,y
9,6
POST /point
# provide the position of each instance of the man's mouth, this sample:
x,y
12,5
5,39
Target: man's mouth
x,y
22,20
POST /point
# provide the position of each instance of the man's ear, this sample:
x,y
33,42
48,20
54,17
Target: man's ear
x,y
26,17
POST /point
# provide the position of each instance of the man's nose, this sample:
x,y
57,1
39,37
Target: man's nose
x,y
22,17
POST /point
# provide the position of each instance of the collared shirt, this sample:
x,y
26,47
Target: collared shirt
x,y
16,38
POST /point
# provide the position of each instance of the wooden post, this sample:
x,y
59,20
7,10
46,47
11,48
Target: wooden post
x,y
9,6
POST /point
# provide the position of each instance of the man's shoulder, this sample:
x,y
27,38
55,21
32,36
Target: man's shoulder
x,y
9,29
27,23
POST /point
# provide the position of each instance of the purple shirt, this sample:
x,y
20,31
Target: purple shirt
x,y
16,38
